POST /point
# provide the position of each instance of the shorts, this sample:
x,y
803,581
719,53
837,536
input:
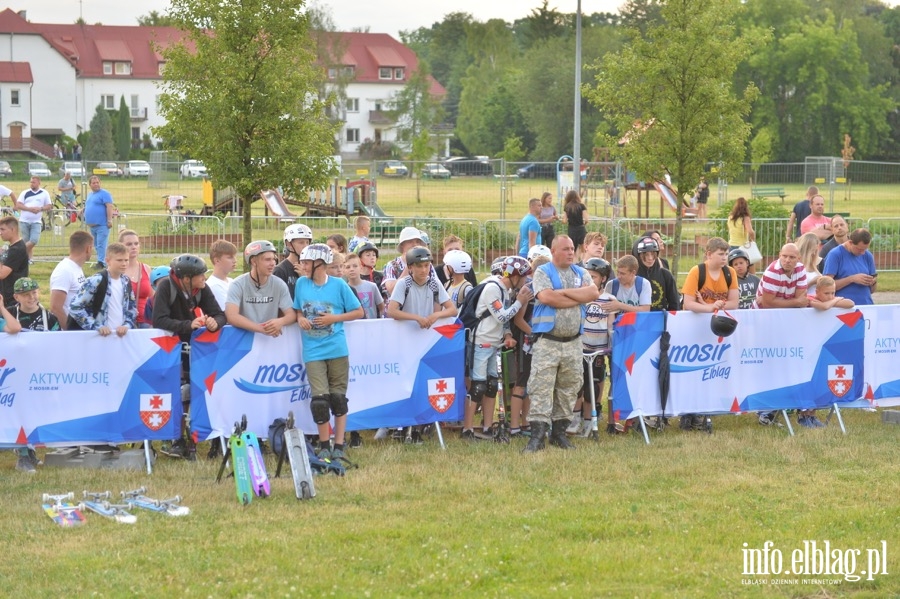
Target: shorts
x,y
484,364
524,371
702,200
599,367
30,232
328,376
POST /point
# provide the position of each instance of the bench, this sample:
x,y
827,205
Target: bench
x,y
768,192
385,235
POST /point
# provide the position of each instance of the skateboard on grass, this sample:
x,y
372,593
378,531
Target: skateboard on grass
x,y
171,506
259,478
62,512
97,503
295,445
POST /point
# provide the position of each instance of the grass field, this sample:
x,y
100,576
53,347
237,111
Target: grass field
x,y
617,518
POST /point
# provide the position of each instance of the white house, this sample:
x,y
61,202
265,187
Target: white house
x,y
59,73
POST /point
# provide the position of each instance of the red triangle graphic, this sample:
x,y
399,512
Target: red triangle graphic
x,y
870,395
629,363
735,406
210,381
208,337
627,319
850,319
167,343
448,330
22,439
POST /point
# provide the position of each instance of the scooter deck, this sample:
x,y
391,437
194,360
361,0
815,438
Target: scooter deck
x,y
258,475
241,463
299,459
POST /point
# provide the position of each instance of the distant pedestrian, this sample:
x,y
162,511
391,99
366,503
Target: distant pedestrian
x,y
98,214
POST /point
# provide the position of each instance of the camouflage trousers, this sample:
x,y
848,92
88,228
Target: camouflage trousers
x,y
557,376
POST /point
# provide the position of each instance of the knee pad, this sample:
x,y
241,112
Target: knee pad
x,y
492,387
338,403
319,408
479,388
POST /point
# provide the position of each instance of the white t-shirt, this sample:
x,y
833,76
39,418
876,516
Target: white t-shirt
x,y
115,312
33,199
219,288
67,277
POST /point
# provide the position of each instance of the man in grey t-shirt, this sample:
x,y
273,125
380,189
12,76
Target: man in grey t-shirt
x,y
257,301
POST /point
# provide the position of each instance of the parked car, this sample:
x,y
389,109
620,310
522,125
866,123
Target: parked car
x,y
5,169
474,167
76,169
193,168
393,168
109,169
433,170
538,170
38,169
138,168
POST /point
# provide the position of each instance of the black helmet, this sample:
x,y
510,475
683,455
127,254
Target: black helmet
x,y
418,255
366,247
600,266
647,244
736,253
188,265
722,325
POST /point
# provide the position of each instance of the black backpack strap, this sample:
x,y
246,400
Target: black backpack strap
x,y
100,293
701,278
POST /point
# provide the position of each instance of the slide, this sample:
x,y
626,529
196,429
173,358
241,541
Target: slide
x,y
374,210
276,203
667,193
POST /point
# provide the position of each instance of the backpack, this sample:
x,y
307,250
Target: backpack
x,y
461,292
701,280
96,302
638,283
468,312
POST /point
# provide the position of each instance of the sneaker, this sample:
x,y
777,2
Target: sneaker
x,y
575,425
586,429
806,422
215,450
175,449
355,439
25,464
517,432
324,453
381,433
483,435
415,438
35,460
467,434
766,418
816,422
686,422
337,454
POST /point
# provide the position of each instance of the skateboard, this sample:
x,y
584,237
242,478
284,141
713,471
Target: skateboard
x,y
92,501
171,506
258,476
60,511
295,445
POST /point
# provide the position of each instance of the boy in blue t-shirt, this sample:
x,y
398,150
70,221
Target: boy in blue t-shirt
x,y
323,304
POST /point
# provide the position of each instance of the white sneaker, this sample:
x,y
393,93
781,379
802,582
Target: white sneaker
x,y
575,425
586,429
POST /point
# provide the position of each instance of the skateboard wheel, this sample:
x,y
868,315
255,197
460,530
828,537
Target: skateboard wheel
x,y
45,497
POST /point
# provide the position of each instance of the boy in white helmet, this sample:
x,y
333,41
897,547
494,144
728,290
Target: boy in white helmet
x,y
296,237
323,304
458,265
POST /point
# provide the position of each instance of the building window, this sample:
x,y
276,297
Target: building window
x,y
123,68
352,104
107,68
385,72
13,97
398,74
348,72
108,102
353,136
378,105
136,133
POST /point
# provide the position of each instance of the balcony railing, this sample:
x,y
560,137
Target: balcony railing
x,y
139,114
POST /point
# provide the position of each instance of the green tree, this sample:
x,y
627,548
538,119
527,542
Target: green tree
x,y
240,93
674,98
542,24
155,19
99,145
123,131
330,50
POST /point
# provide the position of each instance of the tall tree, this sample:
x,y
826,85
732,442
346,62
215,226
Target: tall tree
x,y
155,19
330,50
99,145
123,131
673,96
542,24
240,93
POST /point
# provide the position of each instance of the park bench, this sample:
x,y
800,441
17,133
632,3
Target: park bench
x,y
768,192
383,235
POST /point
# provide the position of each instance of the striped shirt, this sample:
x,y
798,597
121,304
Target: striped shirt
x,y
781,284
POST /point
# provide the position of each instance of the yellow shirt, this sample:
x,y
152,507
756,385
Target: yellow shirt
x,y
736,233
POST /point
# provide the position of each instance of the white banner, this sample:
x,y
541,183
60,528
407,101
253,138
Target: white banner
x,y
882,355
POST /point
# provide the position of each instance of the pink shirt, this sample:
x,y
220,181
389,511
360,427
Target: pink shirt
x,y
813,222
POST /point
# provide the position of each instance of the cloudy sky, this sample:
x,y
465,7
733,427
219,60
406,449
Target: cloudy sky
x,y
380,16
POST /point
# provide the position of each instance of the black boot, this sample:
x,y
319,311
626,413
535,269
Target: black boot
x,y
536,442
558,434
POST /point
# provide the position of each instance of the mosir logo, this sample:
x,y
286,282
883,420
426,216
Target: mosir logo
x,y
707,357
277,378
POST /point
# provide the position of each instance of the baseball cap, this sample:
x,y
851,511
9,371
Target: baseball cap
x,y
24,285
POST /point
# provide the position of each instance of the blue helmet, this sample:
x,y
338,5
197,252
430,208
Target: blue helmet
x,y
160,272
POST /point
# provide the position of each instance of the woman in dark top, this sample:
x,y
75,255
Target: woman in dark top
x,y
576,217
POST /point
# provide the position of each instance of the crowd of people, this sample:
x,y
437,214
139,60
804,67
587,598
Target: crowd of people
x,y
551,309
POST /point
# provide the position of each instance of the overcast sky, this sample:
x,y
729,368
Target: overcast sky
x,y
380,16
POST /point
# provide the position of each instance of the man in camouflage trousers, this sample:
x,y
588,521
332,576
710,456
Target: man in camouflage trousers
x,y
560,290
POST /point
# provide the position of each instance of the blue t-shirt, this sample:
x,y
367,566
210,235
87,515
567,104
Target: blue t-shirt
x,y
841,263
528,224
334,297
95,208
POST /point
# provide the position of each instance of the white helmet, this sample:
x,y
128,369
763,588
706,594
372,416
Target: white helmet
x,y
408,234
317,251
297,231
539,250
459,261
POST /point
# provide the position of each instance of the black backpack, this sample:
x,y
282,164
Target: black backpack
x,y
701,279
467,313
96,302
